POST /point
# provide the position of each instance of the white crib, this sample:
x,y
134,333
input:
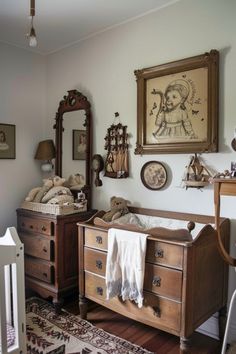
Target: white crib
x,y
12,293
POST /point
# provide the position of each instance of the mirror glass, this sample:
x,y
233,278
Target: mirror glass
x,y
74,144
73,153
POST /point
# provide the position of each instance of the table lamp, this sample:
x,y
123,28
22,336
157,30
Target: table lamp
x,y
46,152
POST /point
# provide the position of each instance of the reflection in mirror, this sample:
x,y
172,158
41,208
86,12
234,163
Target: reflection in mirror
x,y
73,158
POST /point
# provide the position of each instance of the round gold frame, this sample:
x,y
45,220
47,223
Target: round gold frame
x,y
153,175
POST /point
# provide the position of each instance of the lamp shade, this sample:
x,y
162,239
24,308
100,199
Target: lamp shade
x,y
46,150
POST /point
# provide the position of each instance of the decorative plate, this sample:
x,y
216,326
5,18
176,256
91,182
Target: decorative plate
x,y
153,175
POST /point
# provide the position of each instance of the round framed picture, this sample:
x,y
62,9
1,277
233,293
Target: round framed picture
x,y
153,175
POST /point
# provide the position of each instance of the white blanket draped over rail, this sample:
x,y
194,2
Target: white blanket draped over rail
x,y
126,265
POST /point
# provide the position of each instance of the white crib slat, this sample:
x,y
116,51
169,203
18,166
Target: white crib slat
x,y
3,329
18,297
8,293
15,303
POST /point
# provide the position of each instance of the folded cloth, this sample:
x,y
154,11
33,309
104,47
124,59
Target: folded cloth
x,y
125,265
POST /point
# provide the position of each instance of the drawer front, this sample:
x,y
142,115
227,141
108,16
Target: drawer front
x,y
156,311
95,239
45,227
95,261
164,253
163,281
158,279
39,269
38,246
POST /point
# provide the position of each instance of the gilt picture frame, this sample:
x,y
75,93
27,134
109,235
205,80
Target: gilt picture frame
x,y
177,106
7,141
79,144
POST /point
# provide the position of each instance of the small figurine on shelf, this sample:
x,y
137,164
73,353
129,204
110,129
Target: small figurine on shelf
x,y
196,175
116,144
225,174
80,201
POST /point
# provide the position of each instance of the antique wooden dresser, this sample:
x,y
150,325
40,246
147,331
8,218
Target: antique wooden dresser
x,y
185,282
51,252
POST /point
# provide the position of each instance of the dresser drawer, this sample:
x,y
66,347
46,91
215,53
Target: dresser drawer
x,y
39,269
45,227
95,238
38,246
158,279
163,281
95,261
156,310
164,253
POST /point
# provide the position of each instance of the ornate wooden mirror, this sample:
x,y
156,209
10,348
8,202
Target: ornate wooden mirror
x,y
73,139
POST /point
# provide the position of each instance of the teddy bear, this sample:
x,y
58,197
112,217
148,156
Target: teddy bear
x,y
118,209
47,184
52,187
75,181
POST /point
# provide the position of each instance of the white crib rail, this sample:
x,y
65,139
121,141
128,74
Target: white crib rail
x,y
12,291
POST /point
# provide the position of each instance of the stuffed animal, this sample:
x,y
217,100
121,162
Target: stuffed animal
x,y
61,200
54,192
32,193
75,181
51,188
47,184
58,181
118,209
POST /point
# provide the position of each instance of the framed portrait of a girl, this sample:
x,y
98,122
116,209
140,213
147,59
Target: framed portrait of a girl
x,y
79,145
7,141
178,106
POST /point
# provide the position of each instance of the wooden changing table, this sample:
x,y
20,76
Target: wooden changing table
x,y
185,281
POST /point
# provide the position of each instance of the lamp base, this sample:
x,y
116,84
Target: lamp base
x,y
47,167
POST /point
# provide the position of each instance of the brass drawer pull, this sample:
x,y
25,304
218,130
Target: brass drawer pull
x,y
98,264
156,281
99,239
43,228
159,253
45,275
99,290
156,311
45,249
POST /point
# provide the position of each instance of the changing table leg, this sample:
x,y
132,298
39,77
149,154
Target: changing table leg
x,y
83,307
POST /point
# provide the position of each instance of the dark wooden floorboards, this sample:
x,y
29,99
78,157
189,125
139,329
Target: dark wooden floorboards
x,y
147,337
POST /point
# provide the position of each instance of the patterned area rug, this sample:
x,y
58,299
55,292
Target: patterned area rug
x,y
232,349
67,333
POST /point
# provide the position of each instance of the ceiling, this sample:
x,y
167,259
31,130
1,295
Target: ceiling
x,y
59,24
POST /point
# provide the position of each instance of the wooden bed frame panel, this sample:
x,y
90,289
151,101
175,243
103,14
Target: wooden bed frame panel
x,y
204,272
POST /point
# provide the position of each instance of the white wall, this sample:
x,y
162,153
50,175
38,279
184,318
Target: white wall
x,y
102,68
22,102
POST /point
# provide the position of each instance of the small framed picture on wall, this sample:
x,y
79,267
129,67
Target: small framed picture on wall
x,y
7,141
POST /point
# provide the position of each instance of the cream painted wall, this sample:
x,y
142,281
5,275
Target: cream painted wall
x,y
22,102
102,68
